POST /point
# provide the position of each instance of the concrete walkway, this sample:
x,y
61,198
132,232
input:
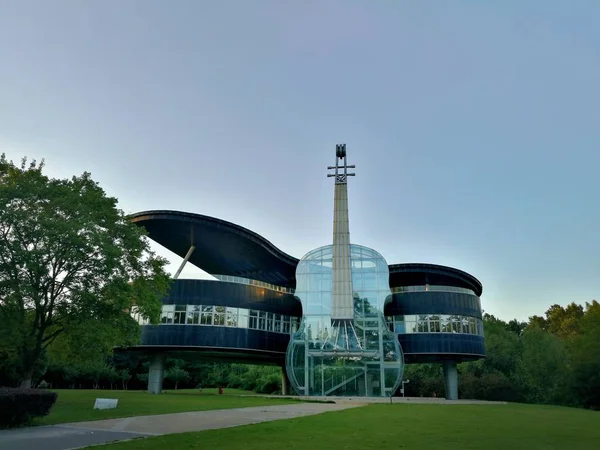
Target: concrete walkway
x,y
394,400
80,434
57,437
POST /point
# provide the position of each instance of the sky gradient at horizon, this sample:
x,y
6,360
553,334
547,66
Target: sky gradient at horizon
x,y
474,126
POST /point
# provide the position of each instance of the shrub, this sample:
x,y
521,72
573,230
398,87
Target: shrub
x,y
494,386
19,406
269,384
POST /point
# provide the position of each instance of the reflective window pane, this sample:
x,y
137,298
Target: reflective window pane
x,y
222,316
206,315
262,320
277,323
243,318
253,321
436,323
232,317
193,314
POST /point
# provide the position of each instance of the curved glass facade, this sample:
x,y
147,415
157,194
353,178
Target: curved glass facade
x,y
224,316
432,288
435,323
356,357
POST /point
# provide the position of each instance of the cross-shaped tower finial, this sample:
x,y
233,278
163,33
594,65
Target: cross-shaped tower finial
x,y
340,177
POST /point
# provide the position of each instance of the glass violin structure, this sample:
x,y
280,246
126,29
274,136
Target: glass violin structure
x,y
343,346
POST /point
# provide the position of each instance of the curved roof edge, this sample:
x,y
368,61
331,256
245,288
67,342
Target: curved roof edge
x,y
191,217
435,269
215,231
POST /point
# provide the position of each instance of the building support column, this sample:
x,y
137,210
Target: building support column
x,y
451,380
285,382
156,373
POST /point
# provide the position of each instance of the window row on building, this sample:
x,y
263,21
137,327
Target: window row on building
x,y
224,316
431,287
395,290
435,323
249,282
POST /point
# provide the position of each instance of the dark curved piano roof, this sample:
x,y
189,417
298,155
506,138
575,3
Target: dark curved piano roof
x,y
221,247
228,249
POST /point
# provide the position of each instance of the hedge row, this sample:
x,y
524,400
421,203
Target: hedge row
x,y
19,406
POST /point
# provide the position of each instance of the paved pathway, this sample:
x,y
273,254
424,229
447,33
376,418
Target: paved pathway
x,y
394,400
80,434
57,437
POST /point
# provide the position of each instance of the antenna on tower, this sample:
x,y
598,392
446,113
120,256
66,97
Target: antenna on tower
x,y
341,177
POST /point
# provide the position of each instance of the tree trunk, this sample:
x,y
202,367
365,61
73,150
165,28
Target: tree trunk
x,y
26,379
176,385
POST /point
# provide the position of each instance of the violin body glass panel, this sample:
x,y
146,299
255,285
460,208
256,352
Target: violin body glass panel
x,y
350,357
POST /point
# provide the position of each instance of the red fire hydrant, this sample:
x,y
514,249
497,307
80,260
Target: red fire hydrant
x,y
220,390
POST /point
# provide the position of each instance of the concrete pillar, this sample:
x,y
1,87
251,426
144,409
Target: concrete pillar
x,y
362,385
285,383
451,380
156,373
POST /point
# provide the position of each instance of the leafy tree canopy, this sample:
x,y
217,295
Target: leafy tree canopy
x,y
70,261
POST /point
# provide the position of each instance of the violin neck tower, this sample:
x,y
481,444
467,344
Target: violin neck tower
x,y
342,305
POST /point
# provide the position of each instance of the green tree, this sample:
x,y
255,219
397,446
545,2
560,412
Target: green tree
x,y
9,347
111,375
585,357
143,377
560,321
503,347
425,380
514,326
177,375
124,376
492,378
542,371
494,386
70,261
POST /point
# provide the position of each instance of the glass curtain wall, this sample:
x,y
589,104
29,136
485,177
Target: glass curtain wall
x,y
358,357
435,323
223,316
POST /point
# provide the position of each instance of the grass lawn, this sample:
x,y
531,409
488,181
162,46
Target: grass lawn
x,y
414,426
77,405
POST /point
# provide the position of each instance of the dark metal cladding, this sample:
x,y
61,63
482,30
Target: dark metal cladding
x,y
418,274
221,247
247,345
438,347
432,302
235,295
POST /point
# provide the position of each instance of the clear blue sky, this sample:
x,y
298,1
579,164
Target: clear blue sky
x,y
474,125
